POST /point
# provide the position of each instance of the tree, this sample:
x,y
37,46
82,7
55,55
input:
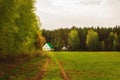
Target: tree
x,y
102,45
58,38
106,40
109,42
40,41
92,40
73,40
115,42
8,29
18,27
82,36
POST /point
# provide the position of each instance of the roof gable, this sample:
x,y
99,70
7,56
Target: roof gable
x,y
50,45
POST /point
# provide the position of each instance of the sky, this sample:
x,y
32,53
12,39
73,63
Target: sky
x,y
56,14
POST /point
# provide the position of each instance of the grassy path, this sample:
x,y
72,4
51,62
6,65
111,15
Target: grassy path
x,y
60,66
65,77
40,75
54,70
35,68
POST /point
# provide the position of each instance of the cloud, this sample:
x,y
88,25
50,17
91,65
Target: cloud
x,y
66,2
61,13
110,9
90,2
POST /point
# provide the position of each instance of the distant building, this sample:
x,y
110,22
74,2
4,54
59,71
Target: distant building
x,y
48,47
64,48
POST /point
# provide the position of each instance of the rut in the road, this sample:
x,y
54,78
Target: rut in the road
x,y
65,77
40,75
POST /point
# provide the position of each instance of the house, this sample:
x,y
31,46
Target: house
x,y
48,47
64,48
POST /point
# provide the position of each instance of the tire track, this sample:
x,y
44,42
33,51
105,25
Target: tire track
x,y
40,75
65,77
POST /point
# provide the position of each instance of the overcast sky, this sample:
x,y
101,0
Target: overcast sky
x,y
67,13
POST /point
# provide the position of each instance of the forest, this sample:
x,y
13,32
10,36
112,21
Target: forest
x,y
84,39
19,28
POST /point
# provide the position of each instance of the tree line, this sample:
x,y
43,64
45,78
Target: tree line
x,y
19,28
84,39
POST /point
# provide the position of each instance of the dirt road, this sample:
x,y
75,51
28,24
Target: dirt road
x,y
40,75
42,72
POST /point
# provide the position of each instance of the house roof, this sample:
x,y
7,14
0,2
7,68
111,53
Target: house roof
x,y
50,45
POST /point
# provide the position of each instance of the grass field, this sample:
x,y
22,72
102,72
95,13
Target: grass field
x,y
90,65
74,65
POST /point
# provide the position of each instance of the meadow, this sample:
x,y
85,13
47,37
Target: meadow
x,y
65,66
90,65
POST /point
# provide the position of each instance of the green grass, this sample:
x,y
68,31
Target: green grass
x,y
53,71
77,66
90,65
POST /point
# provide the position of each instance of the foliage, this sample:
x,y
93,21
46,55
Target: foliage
x,y
8,28
116,42
58,38
74,40
40,41
18,27
104,42
92,40
102,45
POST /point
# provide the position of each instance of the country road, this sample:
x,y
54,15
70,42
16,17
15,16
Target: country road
x,y
44,72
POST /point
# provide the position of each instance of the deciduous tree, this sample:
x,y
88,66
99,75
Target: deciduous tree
x,y
73,40
92,40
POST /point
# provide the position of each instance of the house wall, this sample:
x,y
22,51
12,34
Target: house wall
x,y
46,48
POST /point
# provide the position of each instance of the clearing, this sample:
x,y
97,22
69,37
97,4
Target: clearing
x,y
90,65
66,66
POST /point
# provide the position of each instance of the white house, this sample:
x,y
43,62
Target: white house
x,y
64,48
48,47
